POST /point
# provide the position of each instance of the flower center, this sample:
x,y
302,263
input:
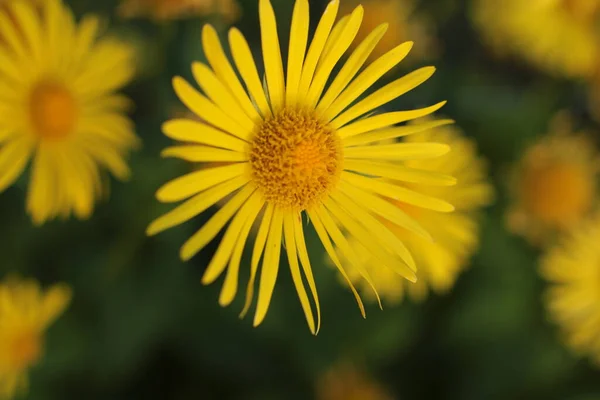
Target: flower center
x,y
26,350
581,10
295,159
53,110
558,194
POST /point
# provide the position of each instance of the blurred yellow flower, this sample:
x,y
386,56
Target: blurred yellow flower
x,y
346,382
554,184
559,36
289,150
25,313
58,106
404,25
162,10
573,298
456,235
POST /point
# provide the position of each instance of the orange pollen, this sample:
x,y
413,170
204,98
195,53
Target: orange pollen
x,y
26,350
295,159
558,194
53,110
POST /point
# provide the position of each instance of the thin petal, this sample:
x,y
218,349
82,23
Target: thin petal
x,y
395,132
316,46
290,244
259,246
367,78
54,303
188,185
196,205
396,192
242,56
398,151
270,268
214,225
271,54
399,172
219,261
219,94
203,154
322,233
385,120
186,130
323,72
206,110
297,50
351,67
384,95
13,159
223,69
29,23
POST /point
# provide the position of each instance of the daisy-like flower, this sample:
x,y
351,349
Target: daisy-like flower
x,y
558,36
405,25
26,312
456,235
573,298
346,382
554,184
58,107
162,10
300,147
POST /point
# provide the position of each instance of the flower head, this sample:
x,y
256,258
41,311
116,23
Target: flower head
x,y
59,108
455,235
162,10
347,382
559,36
573,298
25,313
554,184
298,148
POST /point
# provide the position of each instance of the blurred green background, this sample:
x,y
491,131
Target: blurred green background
x,y
141,325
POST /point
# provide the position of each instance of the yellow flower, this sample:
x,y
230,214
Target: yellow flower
x,y
554,184
162,10
404,25
58,106
25,314
299,148
573,297
346,382
559,36
456,235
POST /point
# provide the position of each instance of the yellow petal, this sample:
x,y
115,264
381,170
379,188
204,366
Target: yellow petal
x,y
196,205
396,192
29,24
385,120
323,72
206,110
222,67
13,159
297,49
54,303
384,95
259,246
367,78
217,264
290,244
324,237
186,130
271,54
203,154
242,56
395,132
316,47
214,225
399,172
188,185
270,268
398,151
219,94
351,67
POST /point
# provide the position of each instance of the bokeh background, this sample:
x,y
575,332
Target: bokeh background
x,y
141,325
